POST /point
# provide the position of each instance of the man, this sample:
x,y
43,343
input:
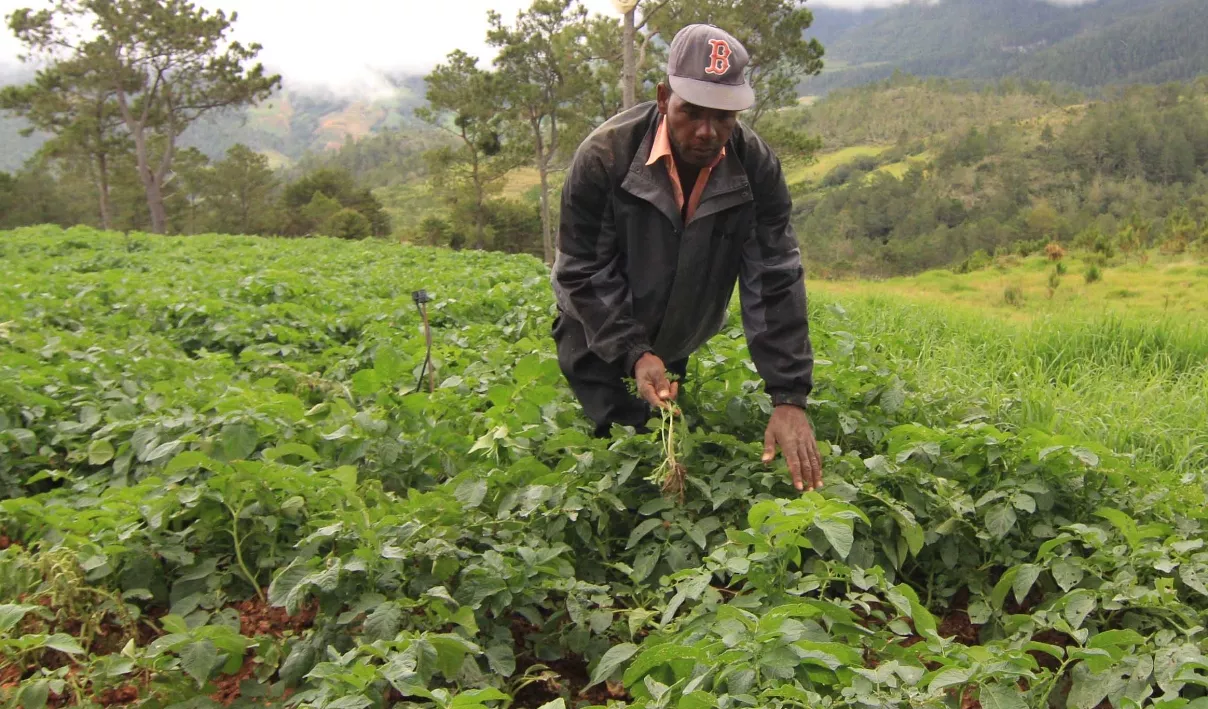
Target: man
x,y
665,207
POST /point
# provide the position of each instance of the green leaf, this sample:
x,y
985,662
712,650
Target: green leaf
x,y
471,493
642,530
238,440
1000,696
383,623
11,614
948,678
697,700
1078,605
1089,688
999,520
1055,650
294,448
694,533
839,533
616,656
34,695
910,528
186,460
161,451
659,655
283,586
1086,456
1066,574
100,452
64,643
1028,573
198,660
893,396
501,659
1116,638
388,364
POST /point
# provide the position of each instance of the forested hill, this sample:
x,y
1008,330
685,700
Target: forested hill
x,y
1087,45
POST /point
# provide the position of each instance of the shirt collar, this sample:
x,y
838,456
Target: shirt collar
x,y
662,147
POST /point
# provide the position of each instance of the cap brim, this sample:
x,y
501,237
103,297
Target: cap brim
x,y
713,95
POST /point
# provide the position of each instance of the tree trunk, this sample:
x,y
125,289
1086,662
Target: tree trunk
x,y
480,236
547,241
103,189
155,203
629,74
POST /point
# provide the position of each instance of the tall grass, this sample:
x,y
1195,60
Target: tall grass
x,y
1139,386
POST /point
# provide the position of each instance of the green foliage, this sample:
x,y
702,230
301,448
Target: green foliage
x,y
268,440
1093,274
999,188
347,224
319,201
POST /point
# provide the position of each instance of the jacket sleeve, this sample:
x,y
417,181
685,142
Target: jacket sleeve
x,y
587,276
772,286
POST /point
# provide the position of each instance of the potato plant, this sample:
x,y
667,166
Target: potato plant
x,y
223,485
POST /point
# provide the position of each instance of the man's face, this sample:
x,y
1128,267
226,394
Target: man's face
x,y
697,133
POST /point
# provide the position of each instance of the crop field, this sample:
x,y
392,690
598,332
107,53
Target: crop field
x,y
227,479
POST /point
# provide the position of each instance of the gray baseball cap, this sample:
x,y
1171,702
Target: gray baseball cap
x,y
706,67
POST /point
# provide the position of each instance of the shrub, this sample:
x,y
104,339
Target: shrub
x,y
1054,252
977,260
1059,269
1013,295
348,224
1093,274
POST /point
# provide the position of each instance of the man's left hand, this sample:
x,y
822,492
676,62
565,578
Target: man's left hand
x,y
789,429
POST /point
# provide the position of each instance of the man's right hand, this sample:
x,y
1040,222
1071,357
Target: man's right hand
x,y
651,376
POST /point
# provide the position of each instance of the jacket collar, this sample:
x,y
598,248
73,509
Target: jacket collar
x,y
728,183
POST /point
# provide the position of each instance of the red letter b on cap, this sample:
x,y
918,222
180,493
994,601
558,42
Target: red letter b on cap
x,y
719,60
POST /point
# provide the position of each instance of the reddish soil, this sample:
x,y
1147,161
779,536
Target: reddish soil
x,y
258,618
957,625
117,696
969,699
10,676
228,685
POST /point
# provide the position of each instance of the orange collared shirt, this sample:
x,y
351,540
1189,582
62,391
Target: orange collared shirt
x,y
662,149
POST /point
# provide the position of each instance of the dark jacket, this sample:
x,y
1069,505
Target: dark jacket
x,y
638,279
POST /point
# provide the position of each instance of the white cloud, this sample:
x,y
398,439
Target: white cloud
x,y
344,45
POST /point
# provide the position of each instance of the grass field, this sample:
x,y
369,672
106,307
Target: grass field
x,y
227,479
825,162
1164,286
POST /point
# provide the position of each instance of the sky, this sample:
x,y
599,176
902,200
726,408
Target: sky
x,y
344,45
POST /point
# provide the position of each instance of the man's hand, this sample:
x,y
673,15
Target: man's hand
x,y
790,429
651,377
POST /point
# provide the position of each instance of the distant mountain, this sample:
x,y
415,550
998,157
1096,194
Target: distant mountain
x,y
832,23
288,126
1086,45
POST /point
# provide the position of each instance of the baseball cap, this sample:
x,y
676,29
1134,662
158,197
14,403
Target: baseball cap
x,y
706,67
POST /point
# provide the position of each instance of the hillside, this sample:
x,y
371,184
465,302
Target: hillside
x,y
1087,45
1018,167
